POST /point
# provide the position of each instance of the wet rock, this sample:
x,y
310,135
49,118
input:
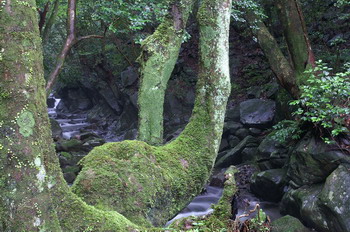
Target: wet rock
x,y
50,102
69,145
234,156
288,224
254,131
302,203
55,128
233,141
268,146
257,112
75,99
269,184
233,114
334,199
312,161
230,128
224,144
249,154
130,134
242,133
129,77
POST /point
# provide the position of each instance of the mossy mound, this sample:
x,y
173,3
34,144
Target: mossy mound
x,y
146,184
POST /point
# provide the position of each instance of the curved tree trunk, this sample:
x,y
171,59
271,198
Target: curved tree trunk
x,y
159,55
279,64
289,74
71,40
296,35
148,184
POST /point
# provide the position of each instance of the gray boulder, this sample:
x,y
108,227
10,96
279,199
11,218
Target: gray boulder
x,y
129,77
334,200
302,203
269,184
257,112
312,161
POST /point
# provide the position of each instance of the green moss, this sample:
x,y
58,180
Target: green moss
x,y
160,53
26,123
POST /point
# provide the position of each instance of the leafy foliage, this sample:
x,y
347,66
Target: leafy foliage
x,y
287,130
239,8
325,100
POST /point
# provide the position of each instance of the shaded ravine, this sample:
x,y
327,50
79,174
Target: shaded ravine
x,y
72,124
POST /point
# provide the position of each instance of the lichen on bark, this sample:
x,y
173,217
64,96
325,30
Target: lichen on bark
x,y
158,57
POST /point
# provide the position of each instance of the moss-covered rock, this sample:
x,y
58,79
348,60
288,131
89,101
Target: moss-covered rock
x,y
288,224
312,161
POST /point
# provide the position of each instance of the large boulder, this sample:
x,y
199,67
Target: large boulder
x,y
334,200
312,161
302,203
257,112
323,207
75,99
269,184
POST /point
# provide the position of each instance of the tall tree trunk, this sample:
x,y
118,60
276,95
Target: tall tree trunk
x,y
279,64
33,193
296,35
25,138
289,74
148,184
159,55
50,22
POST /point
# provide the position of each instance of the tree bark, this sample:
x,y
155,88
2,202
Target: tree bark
x,y
149,184
289,74
25,202
33,193
159,55
296,36
279,64
42,16
71,40
50,22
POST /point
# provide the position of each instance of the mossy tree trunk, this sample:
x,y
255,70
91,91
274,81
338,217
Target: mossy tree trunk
x,y
296,35
279,63
33,193
149,184
50,21
159,55
289,73
24,132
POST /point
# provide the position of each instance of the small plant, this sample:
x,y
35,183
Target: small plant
x,y
287,130
324,102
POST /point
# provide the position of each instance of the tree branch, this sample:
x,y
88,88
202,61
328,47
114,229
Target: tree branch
x,y
71,40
